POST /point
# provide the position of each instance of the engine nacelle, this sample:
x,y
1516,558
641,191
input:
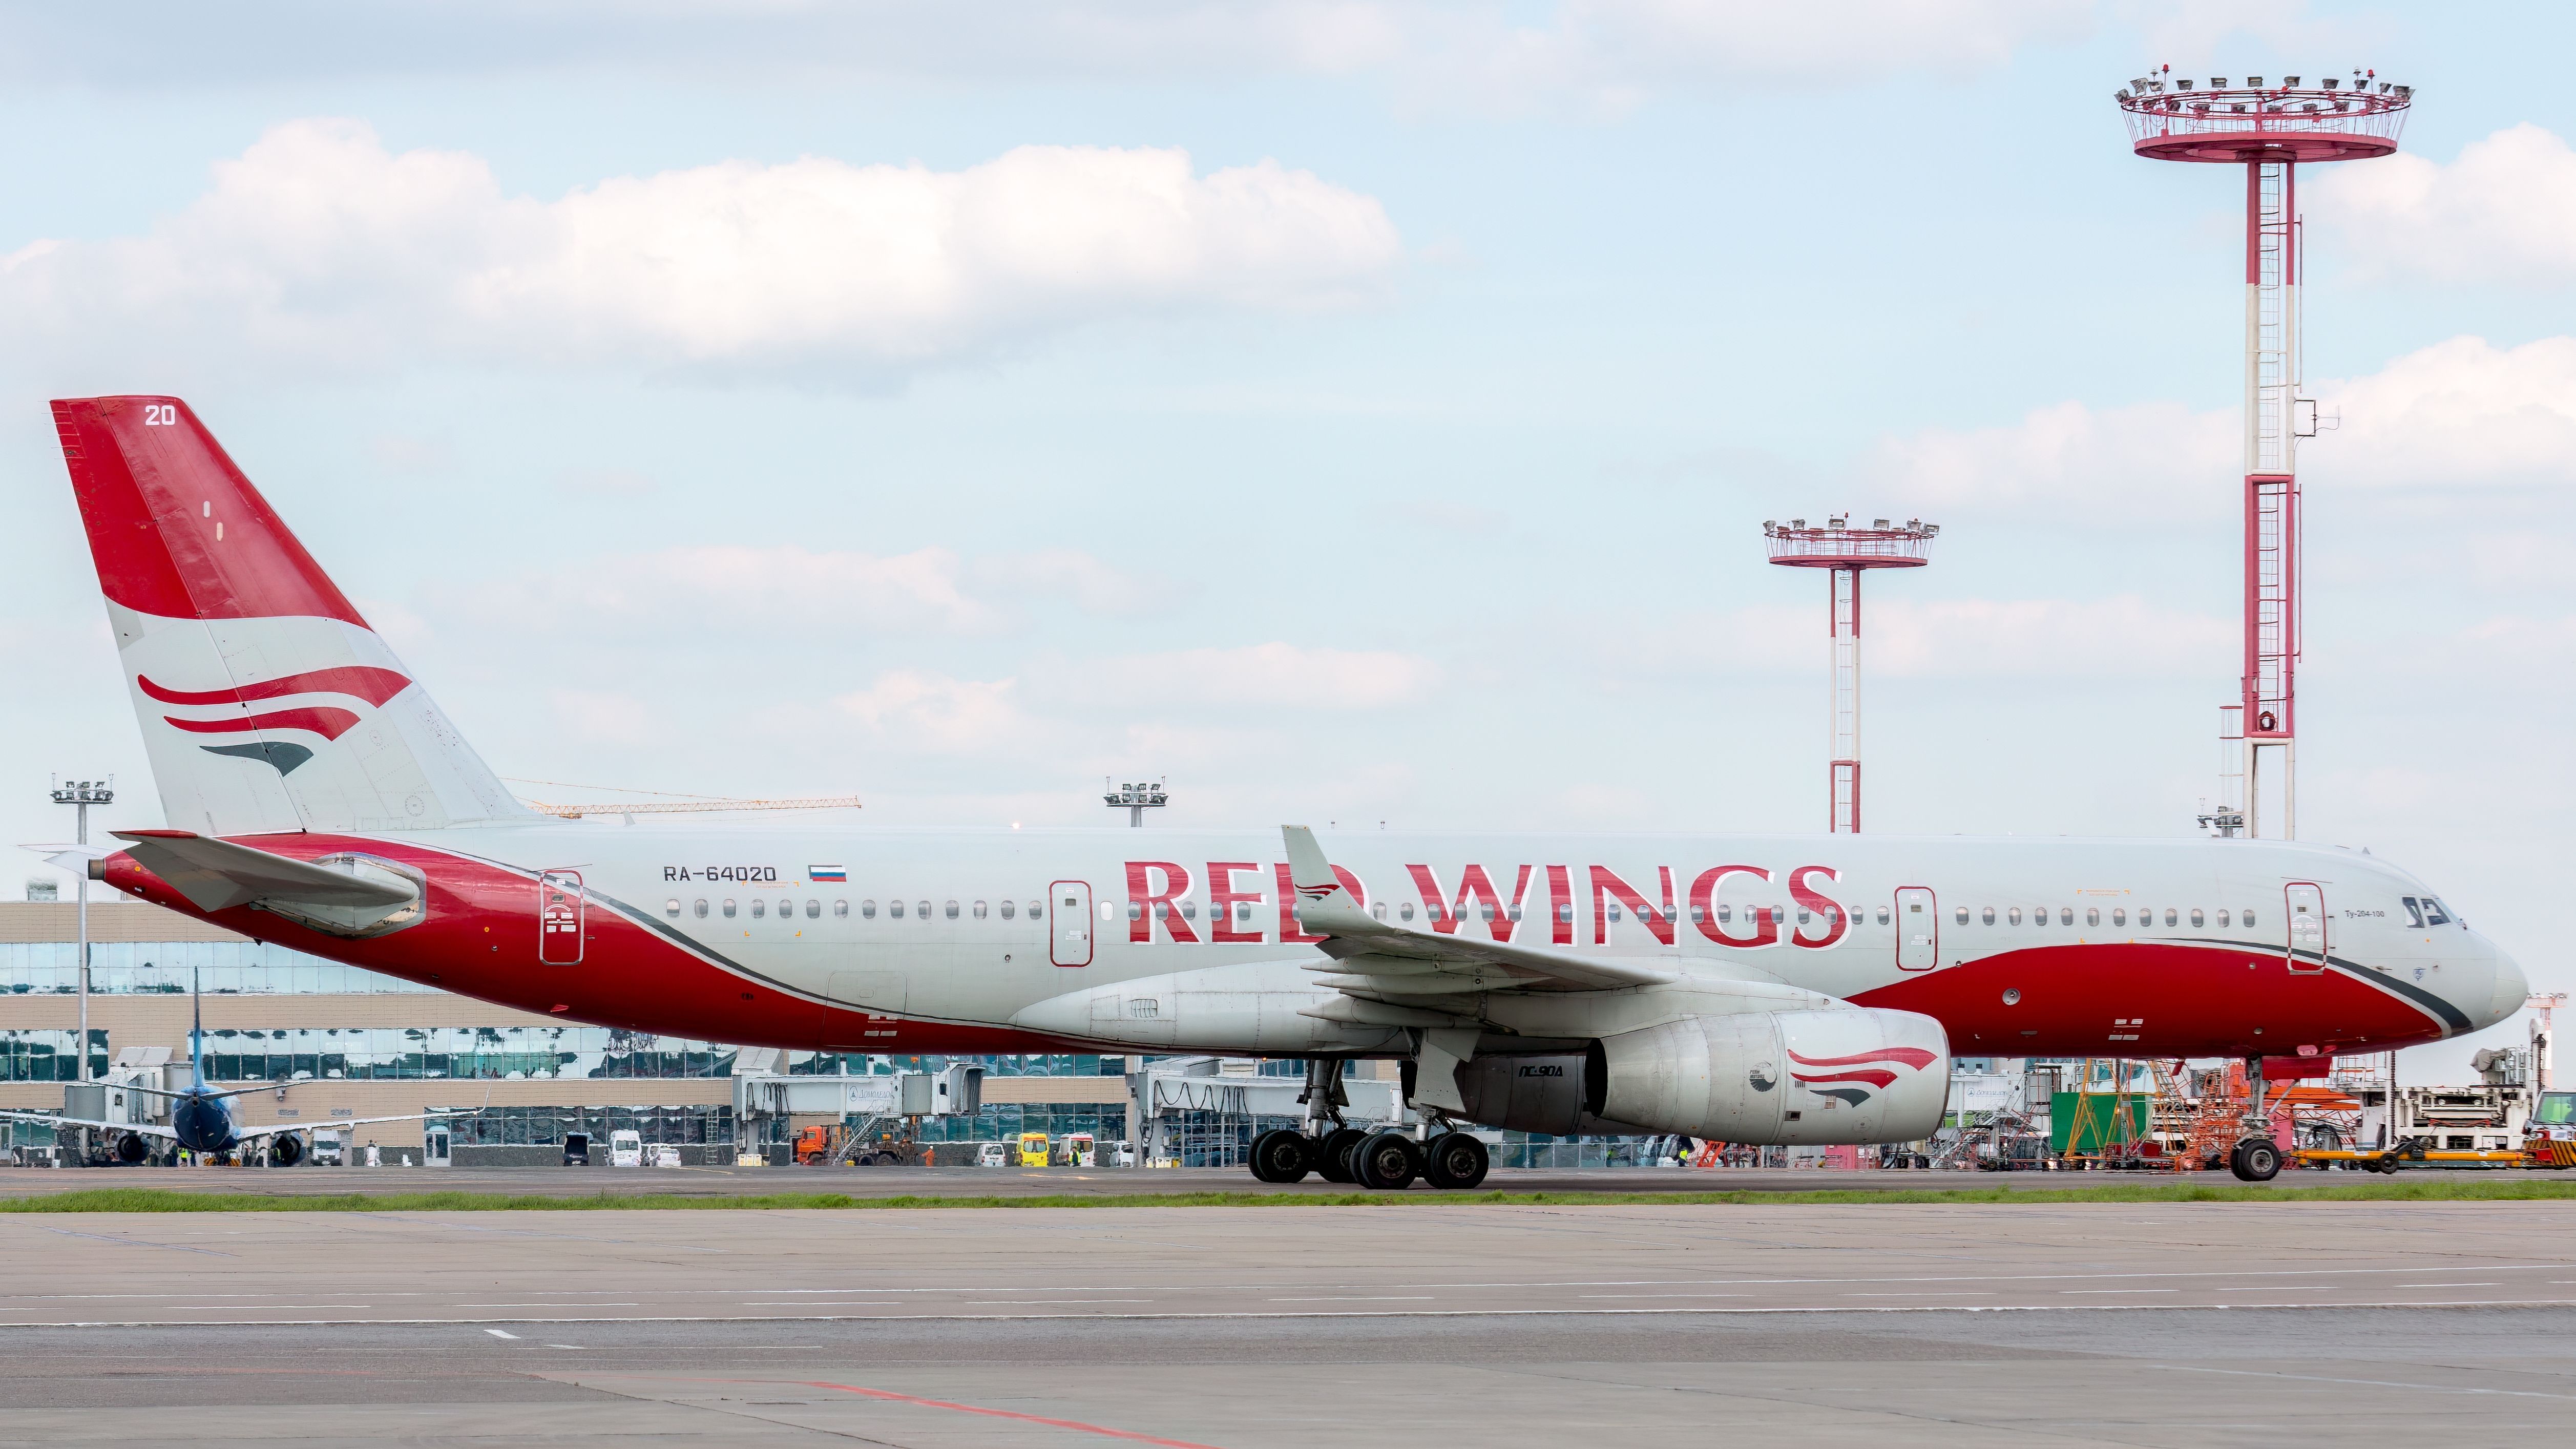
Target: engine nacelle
x,y
286,1149
1528,1094
1852,1074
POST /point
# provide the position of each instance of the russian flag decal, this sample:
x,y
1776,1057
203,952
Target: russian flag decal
x,y
820,873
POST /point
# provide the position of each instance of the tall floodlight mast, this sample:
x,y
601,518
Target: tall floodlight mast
x,y
2270,131
1845,552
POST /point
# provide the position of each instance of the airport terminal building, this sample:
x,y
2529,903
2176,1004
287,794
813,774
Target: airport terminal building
x,y
342,1043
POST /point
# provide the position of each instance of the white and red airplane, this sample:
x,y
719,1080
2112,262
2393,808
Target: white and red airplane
x,y
1751,989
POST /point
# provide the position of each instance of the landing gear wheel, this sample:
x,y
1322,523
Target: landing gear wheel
x,y
1281,1156
1454,1160
1333,1156
1387,1161
2255,1160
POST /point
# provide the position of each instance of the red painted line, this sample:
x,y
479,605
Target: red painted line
x,y
1107,1433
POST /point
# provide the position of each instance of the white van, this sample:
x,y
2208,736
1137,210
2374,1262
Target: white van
x,y
626,1148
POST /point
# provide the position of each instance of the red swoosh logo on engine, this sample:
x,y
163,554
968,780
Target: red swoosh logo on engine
x,y
322,720
1915,1057
1875,1076
373,685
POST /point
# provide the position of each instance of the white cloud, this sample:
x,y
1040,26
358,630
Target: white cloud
x,y
2503,211
2071,463
732,587
319,246
2121,636
918,712
2461,413
1088,583
1273,674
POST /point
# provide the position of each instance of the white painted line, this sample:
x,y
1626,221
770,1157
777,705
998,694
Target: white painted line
x,y
1635,1295
2119,1290
545,1305
2279,1288
2370,1383
2446,1285
496,1333
1374,1298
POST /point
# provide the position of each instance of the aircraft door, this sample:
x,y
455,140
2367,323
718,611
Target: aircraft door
x,y
2307,916
1918,929
559,917
1069,908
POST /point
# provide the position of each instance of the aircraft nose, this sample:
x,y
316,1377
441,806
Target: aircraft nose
x,y
2512,988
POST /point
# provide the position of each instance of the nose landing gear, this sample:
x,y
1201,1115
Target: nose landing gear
x,y
2256,1158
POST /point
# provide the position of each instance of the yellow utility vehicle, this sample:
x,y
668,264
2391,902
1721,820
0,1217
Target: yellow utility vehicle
x,y
1033,1149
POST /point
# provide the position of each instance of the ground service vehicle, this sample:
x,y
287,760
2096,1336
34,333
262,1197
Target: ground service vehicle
x,y
992,1154
1033,1149
1738,988
1076,1149
626,1148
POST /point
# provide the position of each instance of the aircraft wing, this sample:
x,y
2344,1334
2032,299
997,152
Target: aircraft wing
x,y
140,1129
1381,958
272,1129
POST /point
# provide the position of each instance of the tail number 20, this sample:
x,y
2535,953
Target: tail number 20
x,y
160,415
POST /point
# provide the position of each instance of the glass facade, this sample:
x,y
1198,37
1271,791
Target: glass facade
x,y
542,1126
499,1053
48,1056
227,968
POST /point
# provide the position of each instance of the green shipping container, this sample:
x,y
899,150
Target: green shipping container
x,y
2090,1120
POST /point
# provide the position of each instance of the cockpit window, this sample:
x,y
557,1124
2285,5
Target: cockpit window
x,y
2434,915
2414,911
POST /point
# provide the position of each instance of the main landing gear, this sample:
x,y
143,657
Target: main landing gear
x,y
1388,1160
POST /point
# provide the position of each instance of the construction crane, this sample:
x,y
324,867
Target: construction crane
x,y
673,803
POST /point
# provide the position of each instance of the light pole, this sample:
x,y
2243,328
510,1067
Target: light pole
x,y
80,795
1137,797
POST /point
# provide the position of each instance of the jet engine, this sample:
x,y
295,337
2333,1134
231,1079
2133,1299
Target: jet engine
x,y
1530,1094
286,1149
132,1150
1850,1074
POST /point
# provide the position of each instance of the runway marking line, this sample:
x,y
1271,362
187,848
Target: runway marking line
x,y
918,1401
2369,1383
497,1333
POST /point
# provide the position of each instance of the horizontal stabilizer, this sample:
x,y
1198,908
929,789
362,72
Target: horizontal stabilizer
x,y
216,875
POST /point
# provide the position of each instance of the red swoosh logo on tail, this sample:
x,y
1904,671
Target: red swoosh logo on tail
x,y
322,720
371,684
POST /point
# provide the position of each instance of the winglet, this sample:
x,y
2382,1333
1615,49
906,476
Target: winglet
x,y
1325,906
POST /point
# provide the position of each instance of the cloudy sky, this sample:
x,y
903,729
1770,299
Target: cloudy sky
x,y
1353,410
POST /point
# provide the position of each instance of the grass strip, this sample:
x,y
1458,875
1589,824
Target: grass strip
x,y
157,1200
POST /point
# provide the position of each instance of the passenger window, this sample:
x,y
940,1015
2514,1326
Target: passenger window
x,y
1514,913
2222,915
1135,910
2066,915
1243,912
671,908
1882,914
2169,917
2119,916
1162,910
757,906
1405,910
895,909
1987,916
1614,911
2245,918
1802,915
841,910
1189,910
1378,909
868,910
1962,915
979,910
2195,915
700,908
1037,910
1489,910
1727,913
2092,915
952,909
1010,909
728,910
924,907
813,910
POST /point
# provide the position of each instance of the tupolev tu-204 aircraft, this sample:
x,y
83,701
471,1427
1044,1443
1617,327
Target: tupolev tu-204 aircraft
x,y
1741,988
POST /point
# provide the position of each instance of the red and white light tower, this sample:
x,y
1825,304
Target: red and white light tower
x,y
2269,130
1847,551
